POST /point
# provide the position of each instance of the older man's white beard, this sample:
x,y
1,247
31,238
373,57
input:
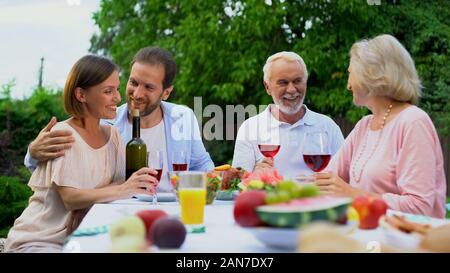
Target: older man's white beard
x,y
289,110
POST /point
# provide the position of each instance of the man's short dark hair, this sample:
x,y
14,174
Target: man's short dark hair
x,y
158,56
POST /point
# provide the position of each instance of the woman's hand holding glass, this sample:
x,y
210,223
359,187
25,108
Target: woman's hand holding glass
x,y
142,181
331,184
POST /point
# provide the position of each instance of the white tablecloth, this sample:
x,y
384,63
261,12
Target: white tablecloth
x,y
222,234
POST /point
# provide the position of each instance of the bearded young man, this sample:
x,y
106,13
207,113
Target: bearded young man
x,y
165,126
285,122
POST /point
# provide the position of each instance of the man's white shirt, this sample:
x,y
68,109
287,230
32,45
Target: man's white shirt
x,y
155,140
289,159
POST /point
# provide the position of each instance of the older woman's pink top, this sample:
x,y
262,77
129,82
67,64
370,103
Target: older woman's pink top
x,y
402,162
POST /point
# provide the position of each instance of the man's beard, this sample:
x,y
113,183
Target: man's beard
x,y
149,108
289,110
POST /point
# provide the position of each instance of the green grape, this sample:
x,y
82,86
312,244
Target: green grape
x,y
256,184
297,192
284,196
309,191
287,185
272,198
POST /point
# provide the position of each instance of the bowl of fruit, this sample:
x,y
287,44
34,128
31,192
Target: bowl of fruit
x,y
290,205
294,204
277,238
274,215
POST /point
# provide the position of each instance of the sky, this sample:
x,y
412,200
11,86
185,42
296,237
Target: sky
x,y
58,30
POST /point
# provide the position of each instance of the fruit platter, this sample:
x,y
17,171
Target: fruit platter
x,y
231,177
275,212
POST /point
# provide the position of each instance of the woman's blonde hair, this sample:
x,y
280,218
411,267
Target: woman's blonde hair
x,y
87,72
283,55
383,67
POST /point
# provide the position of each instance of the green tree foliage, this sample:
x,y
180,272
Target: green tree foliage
x,y
14,196
221,46
21,121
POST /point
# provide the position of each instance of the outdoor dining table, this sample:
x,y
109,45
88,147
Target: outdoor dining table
x,y
222,234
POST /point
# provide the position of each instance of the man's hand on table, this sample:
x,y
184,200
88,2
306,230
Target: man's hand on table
x,y
266,163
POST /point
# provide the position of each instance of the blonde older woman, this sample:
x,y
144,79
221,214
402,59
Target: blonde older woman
x,y
394,153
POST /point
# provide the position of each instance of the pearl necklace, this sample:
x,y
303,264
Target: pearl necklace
x,y
363,148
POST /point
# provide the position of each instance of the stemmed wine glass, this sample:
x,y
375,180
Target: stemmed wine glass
x,y
179,161
269,147
155,161
316,150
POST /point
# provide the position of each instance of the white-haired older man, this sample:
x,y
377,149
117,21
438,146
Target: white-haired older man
x,y
285,122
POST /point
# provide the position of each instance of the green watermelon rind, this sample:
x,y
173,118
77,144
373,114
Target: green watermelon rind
x,y
297,219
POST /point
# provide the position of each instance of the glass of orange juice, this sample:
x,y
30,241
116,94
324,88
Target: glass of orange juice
x,y
192,197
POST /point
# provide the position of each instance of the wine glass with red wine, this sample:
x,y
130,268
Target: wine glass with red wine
x,y
179,161
155,161
269,150
316,150
268,147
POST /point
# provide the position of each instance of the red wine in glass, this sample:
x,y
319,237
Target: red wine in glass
x,y
179,166
316,162
158,175
269,150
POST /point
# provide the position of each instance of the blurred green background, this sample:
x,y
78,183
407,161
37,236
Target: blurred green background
x,y
220,48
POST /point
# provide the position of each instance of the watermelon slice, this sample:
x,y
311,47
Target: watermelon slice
x,y
303,211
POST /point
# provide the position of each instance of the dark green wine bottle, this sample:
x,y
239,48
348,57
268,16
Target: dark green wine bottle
x,y
136,150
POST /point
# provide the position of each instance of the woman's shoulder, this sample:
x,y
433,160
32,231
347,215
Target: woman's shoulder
x,y
112,130
413,115
114,136
363,123
413,119
62,125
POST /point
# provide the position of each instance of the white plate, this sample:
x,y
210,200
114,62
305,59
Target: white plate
x,y
161,197
399,239
280,238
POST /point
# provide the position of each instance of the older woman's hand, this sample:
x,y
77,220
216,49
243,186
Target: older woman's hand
x,y
331,184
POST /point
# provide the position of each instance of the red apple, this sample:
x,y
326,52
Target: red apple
x,y
361,205
369,210
245,208
379,207
149,217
